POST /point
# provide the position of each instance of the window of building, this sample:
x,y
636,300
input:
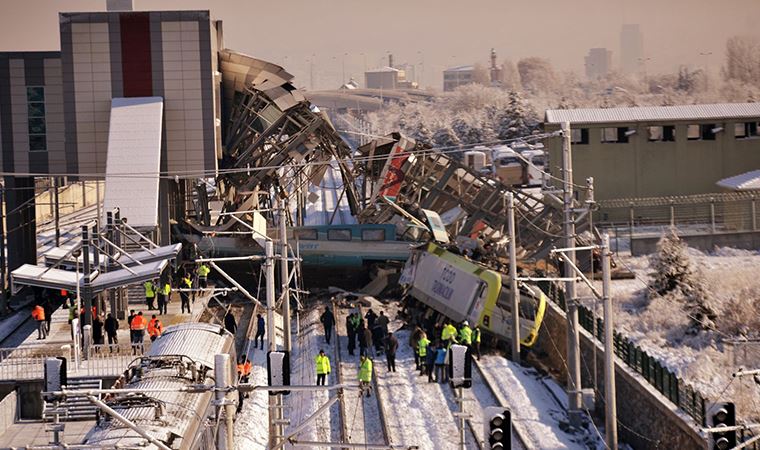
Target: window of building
x,y
746,130
662,133
342,234
373,235
35,100
707,132
306,235
579,136
615,135
703,132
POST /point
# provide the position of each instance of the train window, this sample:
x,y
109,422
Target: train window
x,y
373,235
342,234
527,307
306,235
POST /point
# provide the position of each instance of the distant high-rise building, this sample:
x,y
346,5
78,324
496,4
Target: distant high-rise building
x,y
598,63
631,48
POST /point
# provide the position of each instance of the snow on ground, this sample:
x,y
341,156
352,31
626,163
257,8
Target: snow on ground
x,y
301,405
705,360
362,415
252,423
534,410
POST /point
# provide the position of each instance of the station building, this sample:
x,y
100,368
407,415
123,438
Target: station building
x,y
659,150
56,111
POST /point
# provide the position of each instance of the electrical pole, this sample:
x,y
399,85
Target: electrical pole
x,y
3,285
285,274
274,401
573,338
514,293
87,316
610,400
56,213
225,406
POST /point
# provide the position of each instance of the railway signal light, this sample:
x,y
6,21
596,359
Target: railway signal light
x,y
278,370
498,428
460,366
721,415
55,374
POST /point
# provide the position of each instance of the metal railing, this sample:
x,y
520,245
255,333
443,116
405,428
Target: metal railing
x,y
27,363
705,213
654,372
108,360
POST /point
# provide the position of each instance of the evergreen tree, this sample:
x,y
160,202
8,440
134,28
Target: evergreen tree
x,y
517,120
676,279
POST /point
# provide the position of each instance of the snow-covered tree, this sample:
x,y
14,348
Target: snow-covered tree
x,y
445,137
517,120
676,279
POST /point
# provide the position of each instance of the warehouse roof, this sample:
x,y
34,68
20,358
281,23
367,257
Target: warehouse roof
x,y
654,113
743,182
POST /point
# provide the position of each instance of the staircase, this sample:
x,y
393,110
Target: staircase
x,y
136,293
77,408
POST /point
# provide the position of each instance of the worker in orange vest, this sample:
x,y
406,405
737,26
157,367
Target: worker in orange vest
x,y
38,314
138,326
155,328
244,369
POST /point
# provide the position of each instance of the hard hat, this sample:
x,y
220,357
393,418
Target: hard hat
x,y
466,323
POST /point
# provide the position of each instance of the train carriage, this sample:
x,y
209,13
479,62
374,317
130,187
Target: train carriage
x,y
182,357
463,290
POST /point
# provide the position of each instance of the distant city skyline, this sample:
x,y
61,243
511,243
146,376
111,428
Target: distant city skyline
x,y
334,45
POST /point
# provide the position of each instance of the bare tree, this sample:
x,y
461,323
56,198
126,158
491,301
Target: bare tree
x,y
536,74
743,59
480,75
510,77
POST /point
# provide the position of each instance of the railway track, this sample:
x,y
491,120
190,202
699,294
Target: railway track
x,y
491,398
346,428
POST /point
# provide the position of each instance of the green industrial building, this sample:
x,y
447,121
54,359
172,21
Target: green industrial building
x,y
657,151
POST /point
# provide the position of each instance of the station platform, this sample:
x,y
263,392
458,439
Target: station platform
x,y
24,360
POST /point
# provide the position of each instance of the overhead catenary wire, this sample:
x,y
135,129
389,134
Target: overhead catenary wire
x,y
212,173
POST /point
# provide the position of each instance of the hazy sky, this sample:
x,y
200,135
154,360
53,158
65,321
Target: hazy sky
x,y
432,34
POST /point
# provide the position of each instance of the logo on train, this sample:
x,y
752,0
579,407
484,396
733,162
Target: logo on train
x,y
442,286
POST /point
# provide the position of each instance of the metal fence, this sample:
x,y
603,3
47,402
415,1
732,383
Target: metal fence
x,y
655,373
100,361
27,363
107,360
735,211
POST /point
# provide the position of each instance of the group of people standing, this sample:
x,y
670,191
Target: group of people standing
x,y
371,333
430,358
160,292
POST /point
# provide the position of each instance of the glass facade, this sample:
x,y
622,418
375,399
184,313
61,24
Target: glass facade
x,y
35,99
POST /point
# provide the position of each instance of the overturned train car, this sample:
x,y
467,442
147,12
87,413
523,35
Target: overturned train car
x,y
462,290
183,357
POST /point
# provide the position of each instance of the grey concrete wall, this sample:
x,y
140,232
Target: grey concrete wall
x,y
647,420
747,240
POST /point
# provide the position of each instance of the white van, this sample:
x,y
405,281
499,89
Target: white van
x,y
536,168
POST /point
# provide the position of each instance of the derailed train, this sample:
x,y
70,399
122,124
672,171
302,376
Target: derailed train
x,y
182,357
462,290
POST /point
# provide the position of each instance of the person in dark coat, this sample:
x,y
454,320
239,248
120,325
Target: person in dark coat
x,y
365,340
430,363
351,332
132,333
111,326
97,331
229,322
391,345
48,313
260,330
371,317
328,321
